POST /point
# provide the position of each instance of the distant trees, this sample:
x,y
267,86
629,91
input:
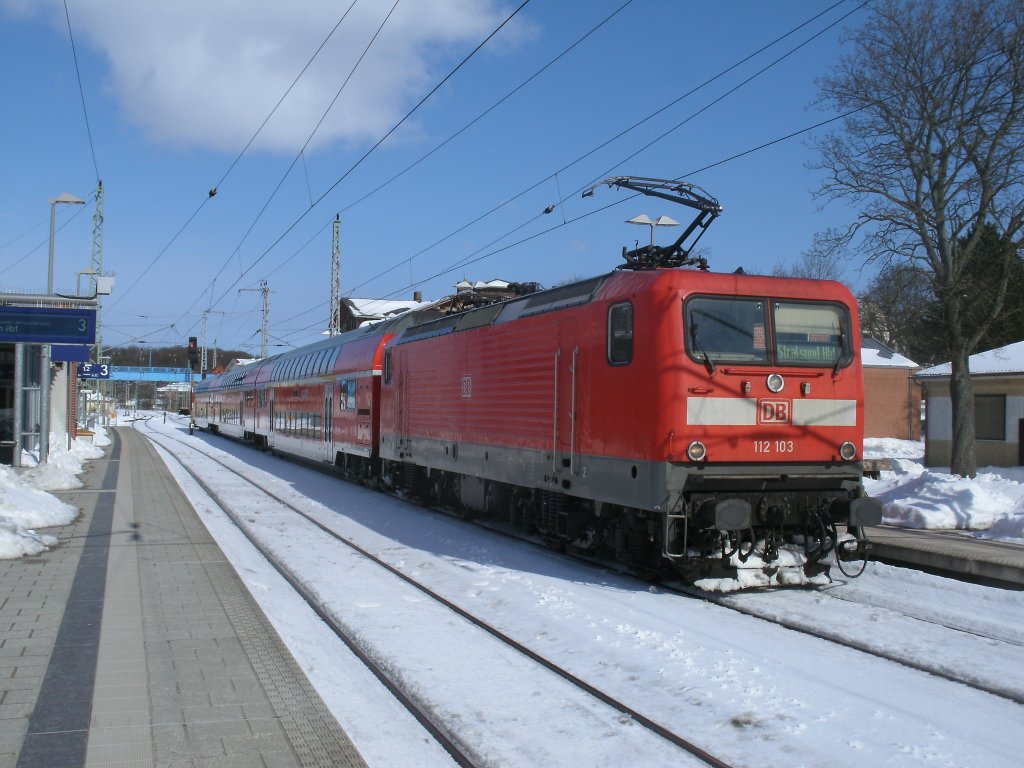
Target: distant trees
x,y
932,154
815,265
900,308
164,357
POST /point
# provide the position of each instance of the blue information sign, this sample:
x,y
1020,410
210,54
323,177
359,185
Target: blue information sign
x,y
93,371
47,325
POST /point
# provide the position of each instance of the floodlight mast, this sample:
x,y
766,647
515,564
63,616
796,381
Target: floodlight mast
x,y
674,255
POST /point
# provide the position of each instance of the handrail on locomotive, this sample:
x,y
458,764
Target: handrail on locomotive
x,y
674,255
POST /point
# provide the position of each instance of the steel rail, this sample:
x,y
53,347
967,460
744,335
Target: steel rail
x,y
551,666
726,601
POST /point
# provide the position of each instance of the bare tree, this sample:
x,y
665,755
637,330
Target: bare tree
x,y
814,265
932,149
899,309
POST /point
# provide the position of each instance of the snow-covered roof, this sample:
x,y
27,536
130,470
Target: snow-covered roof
x,y
481,285
875,354
379,308
1008,359
239,362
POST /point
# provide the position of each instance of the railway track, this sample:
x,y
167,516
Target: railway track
x,y
927,633
461,752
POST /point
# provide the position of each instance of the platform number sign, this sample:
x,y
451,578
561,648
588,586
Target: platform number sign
x,y
93,371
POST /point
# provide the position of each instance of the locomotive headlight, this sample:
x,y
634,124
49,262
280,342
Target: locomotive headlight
x,y
775,382
697,451
847,451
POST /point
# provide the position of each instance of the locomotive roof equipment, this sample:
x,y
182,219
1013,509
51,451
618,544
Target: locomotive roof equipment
x,y
674,255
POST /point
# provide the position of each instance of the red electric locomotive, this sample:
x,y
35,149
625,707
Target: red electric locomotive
x,y
660,417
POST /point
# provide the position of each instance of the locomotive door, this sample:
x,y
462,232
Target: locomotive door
x,y
565,422
272,423
402,404
327,433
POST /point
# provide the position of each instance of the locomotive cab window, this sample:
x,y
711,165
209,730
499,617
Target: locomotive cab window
x,y
726,329
620,334
810,334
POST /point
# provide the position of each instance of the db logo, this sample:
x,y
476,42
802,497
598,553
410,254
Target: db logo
x,y
773,411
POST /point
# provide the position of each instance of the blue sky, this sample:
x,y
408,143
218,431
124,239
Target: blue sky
x,y
174,92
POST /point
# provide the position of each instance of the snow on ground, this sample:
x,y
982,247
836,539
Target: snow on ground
x,y
743,688
750,692
990,505
25,504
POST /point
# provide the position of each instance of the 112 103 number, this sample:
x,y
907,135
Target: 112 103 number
x,y
773,446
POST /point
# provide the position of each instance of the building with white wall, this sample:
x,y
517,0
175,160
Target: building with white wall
x,y
998,378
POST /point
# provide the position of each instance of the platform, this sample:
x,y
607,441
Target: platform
x,y
134,643
950,552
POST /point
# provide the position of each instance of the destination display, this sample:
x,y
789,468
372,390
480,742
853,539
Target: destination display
x,y
47,325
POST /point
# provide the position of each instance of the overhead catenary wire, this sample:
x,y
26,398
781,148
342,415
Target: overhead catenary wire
x,y
610,140
300,154
518,228
462,130
478,257
372,149
619,135
81,91
77,212
491,108
447,77
213,190
285,95
465,262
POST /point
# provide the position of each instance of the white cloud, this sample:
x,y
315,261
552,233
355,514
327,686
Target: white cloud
x,y
205,74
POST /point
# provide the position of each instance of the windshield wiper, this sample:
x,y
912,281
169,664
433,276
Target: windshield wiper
x,y
842,350
697,345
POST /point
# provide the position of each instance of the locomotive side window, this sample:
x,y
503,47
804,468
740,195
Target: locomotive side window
x,y
809,334
726,329
620,334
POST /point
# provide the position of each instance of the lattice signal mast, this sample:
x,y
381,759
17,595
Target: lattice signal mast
x,y
202,358
334,323
265,327
97,262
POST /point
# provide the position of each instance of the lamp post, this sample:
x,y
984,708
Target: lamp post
x,y
661,221
44,368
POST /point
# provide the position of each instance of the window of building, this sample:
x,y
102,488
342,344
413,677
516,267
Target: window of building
x,y
990,417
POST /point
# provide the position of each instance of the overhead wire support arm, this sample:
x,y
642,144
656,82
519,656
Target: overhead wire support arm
x,y
675,255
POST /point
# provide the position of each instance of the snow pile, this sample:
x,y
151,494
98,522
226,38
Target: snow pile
x,y
990,505
891,448
25,507
60,472
786,570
